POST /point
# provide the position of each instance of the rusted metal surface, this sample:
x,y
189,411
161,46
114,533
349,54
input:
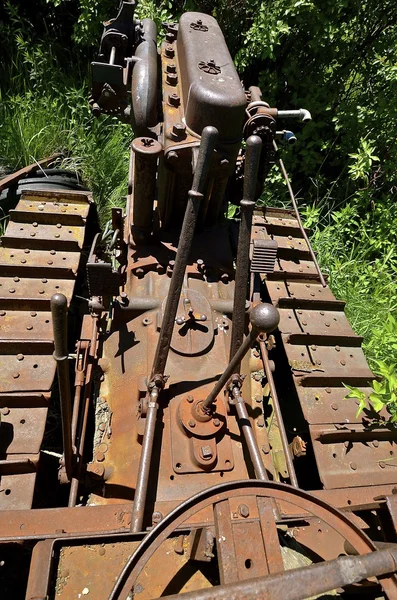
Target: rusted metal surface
x,y
162,406
26,339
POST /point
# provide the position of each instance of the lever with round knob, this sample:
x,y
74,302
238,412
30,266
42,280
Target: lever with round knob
x,y
264,318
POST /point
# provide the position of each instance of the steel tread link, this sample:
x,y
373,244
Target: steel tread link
x,y
39,255
324,353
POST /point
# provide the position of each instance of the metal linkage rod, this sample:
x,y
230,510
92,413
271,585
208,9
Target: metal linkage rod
x,y
304,582
59,311
277,410
264,319
207,145
247,205
144,465
298,218
250,439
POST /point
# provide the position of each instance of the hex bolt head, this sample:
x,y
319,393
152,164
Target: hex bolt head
x,y
189,399
192,423
174,100
216,422
172,78
244,510
169,51
206,452
179,129
171,68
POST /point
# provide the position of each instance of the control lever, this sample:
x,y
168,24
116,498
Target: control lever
x,y
264,318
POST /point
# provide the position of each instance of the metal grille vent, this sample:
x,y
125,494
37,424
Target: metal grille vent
x,y
264,256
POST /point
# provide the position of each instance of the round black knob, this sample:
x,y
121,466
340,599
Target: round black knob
x,y
264,318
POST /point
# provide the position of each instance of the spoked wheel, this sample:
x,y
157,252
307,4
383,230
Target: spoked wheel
x,y
248,528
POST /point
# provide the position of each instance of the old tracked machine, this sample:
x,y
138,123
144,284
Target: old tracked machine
x,y
192,366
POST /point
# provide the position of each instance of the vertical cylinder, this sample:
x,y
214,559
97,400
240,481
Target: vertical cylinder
x,y
146,152
59,311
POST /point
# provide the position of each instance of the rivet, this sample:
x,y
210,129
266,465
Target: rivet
x,y
337,348
49,262
375,443
5,411
11,290
156,517
33,314
52,252
189,399
353,466
41,291
327,324
44,281
260,423
322,313
192,423
299,312
328,390
217,422
334,406
32,235
2,313
29,327
15,375
59,225
35,224
382,464
346,444
23,261
57,235
26,251
313,347
16,279
343,363
318,362
304,323
20,357
312,294
99,456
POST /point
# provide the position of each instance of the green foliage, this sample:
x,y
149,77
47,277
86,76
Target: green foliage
x,y
384,394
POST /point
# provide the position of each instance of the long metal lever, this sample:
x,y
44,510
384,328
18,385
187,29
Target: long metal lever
x,y
264,318
247,205
156,381
59,311
207,146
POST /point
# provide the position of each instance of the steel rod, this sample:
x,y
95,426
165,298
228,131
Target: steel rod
x,y
247,205
264,318
84,413
230,369
207,146
59,311
277,410
250,439
304,582
298,218
144,464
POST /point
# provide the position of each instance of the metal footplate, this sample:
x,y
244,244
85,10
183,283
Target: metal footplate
x,y
39,256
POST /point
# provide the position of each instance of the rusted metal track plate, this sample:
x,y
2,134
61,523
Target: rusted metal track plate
x,y
293,268
34,264
329,405
45,211
284,294
45,263
29,292
25,325
33,373
326,365
21,430
313,326
288,246
41,237
16,491
354,457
